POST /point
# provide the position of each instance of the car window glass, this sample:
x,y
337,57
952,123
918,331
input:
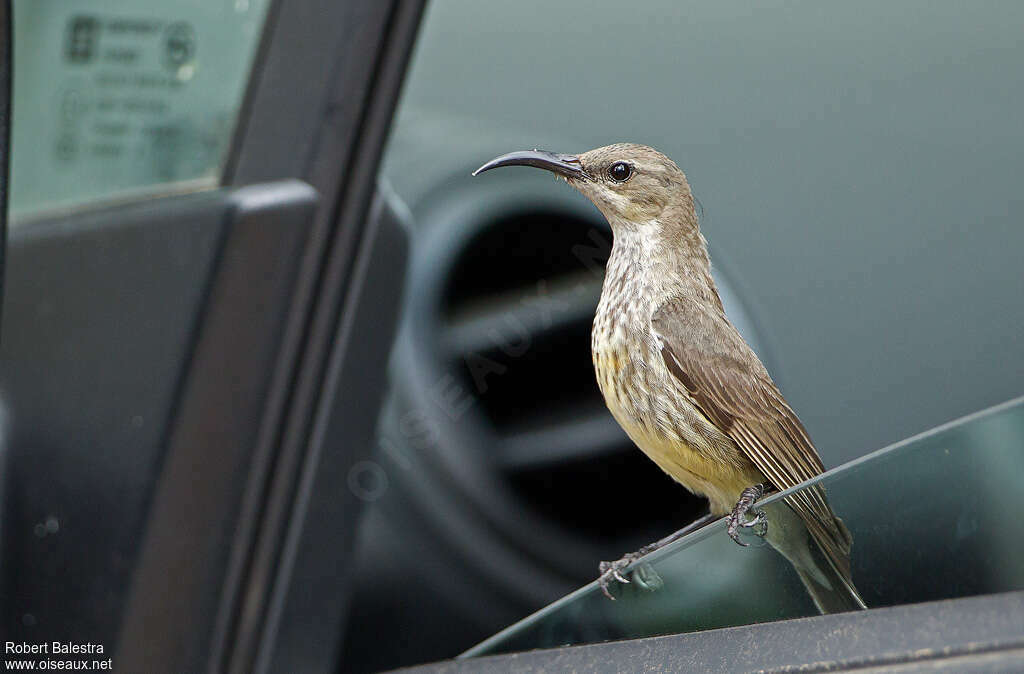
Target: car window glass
x,y
950,542
117,98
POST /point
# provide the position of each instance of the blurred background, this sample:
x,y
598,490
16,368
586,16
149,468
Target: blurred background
x,y
858,168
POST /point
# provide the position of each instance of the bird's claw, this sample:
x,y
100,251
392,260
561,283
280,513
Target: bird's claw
x,y
645,576
738,517
612,571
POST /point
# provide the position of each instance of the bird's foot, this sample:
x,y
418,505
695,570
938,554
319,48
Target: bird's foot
x,y
645,575
738,518
612,572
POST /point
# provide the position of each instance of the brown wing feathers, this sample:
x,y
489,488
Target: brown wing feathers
x,y
728,384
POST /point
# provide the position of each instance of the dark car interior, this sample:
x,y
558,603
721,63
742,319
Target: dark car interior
x,y
285,389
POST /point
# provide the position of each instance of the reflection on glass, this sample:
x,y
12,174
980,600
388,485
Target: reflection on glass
x,y
116,96
934,517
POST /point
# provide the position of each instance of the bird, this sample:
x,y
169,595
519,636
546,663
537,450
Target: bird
x,y
683,383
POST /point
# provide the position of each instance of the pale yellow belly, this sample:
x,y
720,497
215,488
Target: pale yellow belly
x,y
666,433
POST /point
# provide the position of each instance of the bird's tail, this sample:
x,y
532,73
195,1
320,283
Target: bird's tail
x,y
830,591
830,587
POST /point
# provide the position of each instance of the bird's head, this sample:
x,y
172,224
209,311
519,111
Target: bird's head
x,y
634,186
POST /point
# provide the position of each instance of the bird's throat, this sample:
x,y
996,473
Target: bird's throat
x,y
655,263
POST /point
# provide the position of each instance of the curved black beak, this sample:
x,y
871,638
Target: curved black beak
x,y
567,165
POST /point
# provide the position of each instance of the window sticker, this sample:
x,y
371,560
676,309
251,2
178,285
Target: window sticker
x,y
117,99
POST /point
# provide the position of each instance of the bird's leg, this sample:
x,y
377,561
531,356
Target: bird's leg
x,y
614,570
738,518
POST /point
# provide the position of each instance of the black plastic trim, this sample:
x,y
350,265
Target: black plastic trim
x,y
177,585
6,76
317,559
970,634
101,311
328,126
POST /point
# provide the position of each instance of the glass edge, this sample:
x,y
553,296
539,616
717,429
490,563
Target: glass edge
x,y
121,198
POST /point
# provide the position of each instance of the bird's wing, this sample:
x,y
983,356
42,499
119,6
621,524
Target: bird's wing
x,y
727,382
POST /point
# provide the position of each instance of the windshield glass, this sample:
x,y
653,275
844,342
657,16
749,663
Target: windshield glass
x,y
933,517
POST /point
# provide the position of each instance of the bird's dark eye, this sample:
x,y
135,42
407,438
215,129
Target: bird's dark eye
x,y
620,171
